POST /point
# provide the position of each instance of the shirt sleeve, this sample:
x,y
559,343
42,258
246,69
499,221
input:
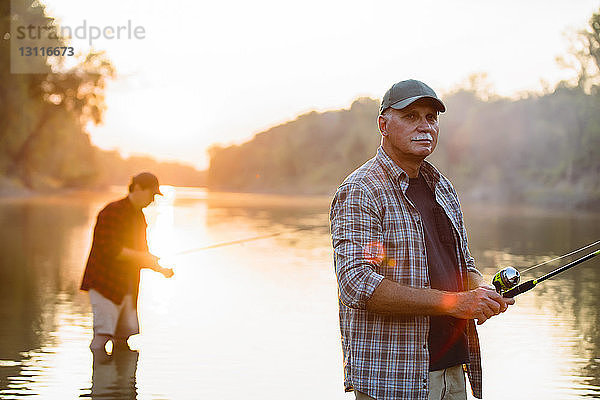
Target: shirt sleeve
x,y
357,237
106,234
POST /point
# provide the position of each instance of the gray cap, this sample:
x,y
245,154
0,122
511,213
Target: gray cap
x,y
404,93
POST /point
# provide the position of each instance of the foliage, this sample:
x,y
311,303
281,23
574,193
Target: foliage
x,y
584,55
308,154
118,171
43,117
543,149
540,149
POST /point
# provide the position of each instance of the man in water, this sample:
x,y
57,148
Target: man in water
x,y
403,265
112,274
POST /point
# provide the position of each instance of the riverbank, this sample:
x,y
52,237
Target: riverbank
x,y
556,198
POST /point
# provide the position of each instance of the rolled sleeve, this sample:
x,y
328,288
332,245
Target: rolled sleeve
x,y
357,237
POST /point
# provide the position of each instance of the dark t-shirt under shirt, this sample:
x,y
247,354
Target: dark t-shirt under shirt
x,y
447,335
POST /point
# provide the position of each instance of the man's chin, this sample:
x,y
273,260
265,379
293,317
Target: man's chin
x,y
424,149
423,152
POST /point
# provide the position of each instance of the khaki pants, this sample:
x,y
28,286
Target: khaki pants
x,y
445,384
115,320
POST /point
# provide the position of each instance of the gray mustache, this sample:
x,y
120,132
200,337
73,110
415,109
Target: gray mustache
x,y
425,136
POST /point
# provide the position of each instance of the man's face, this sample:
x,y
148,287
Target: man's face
x,y
147,196
412,132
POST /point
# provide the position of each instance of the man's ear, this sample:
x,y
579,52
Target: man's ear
x,y
382,123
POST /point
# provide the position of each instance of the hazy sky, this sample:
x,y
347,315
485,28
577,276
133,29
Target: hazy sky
x,y
219,72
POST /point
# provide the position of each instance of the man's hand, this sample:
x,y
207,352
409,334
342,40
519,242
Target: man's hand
x,y
480,304
167,272
145,259
151,261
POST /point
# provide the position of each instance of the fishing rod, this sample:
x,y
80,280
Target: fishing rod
x,y
212,246
530,284
241,241
507,280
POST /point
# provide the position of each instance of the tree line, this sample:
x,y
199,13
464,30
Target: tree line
x,y
44,143
541,148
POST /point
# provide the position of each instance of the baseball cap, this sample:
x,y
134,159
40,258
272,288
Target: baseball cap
x,y
147,180
404,93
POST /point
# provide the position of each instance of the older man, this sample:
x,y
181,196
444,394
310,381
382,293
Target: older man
x,y
112,274
403,266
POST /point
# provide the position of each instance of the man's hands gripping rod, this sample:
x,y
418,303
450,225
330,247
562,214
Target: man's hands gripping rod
x,y
481,302
155,266
146,260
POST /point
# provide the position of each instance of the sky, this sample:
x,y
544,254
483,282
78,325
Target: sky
x,y
207,73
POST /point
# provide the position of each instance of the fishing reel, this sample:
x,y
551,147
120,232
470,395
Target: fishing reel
x,y
506,279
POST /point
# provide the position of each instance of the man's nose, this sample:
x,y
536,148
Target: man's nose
x,y
424,125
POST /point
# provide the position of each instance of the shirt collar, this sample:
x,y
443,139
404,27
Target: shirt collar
x,y
398,176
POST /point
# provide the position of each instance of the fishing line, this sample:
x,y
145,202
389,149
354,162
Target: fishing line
x,y
530,284
240,241
213,246
563,256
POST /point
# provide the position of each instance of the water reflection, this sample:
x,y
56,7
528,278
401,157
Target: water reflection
x,y
553,331
259,319
40,244
113,377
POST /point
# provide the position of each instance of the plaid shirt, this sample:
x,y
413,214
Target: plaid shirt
x,y
118,225
377,233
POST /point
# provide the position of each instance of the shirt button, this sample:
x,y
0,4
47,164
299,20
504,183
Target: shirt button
x,y
424,346
424,380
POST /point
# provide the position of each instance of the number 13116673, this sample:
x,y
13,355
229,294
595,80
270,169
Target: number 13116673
x,y
46,51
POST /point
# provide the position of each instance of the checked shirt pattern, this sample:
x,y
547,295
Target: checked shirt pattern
x,y
376,233
118,225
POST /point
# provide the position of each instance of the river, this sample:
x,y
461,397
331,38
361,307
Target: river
x,y
258,319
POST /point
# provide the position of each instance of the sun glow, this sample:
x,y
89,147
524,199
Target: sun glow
x,y
271,61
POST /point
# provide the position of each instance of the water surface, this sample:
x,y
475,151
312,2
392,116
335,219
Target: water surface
x,y
258,319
